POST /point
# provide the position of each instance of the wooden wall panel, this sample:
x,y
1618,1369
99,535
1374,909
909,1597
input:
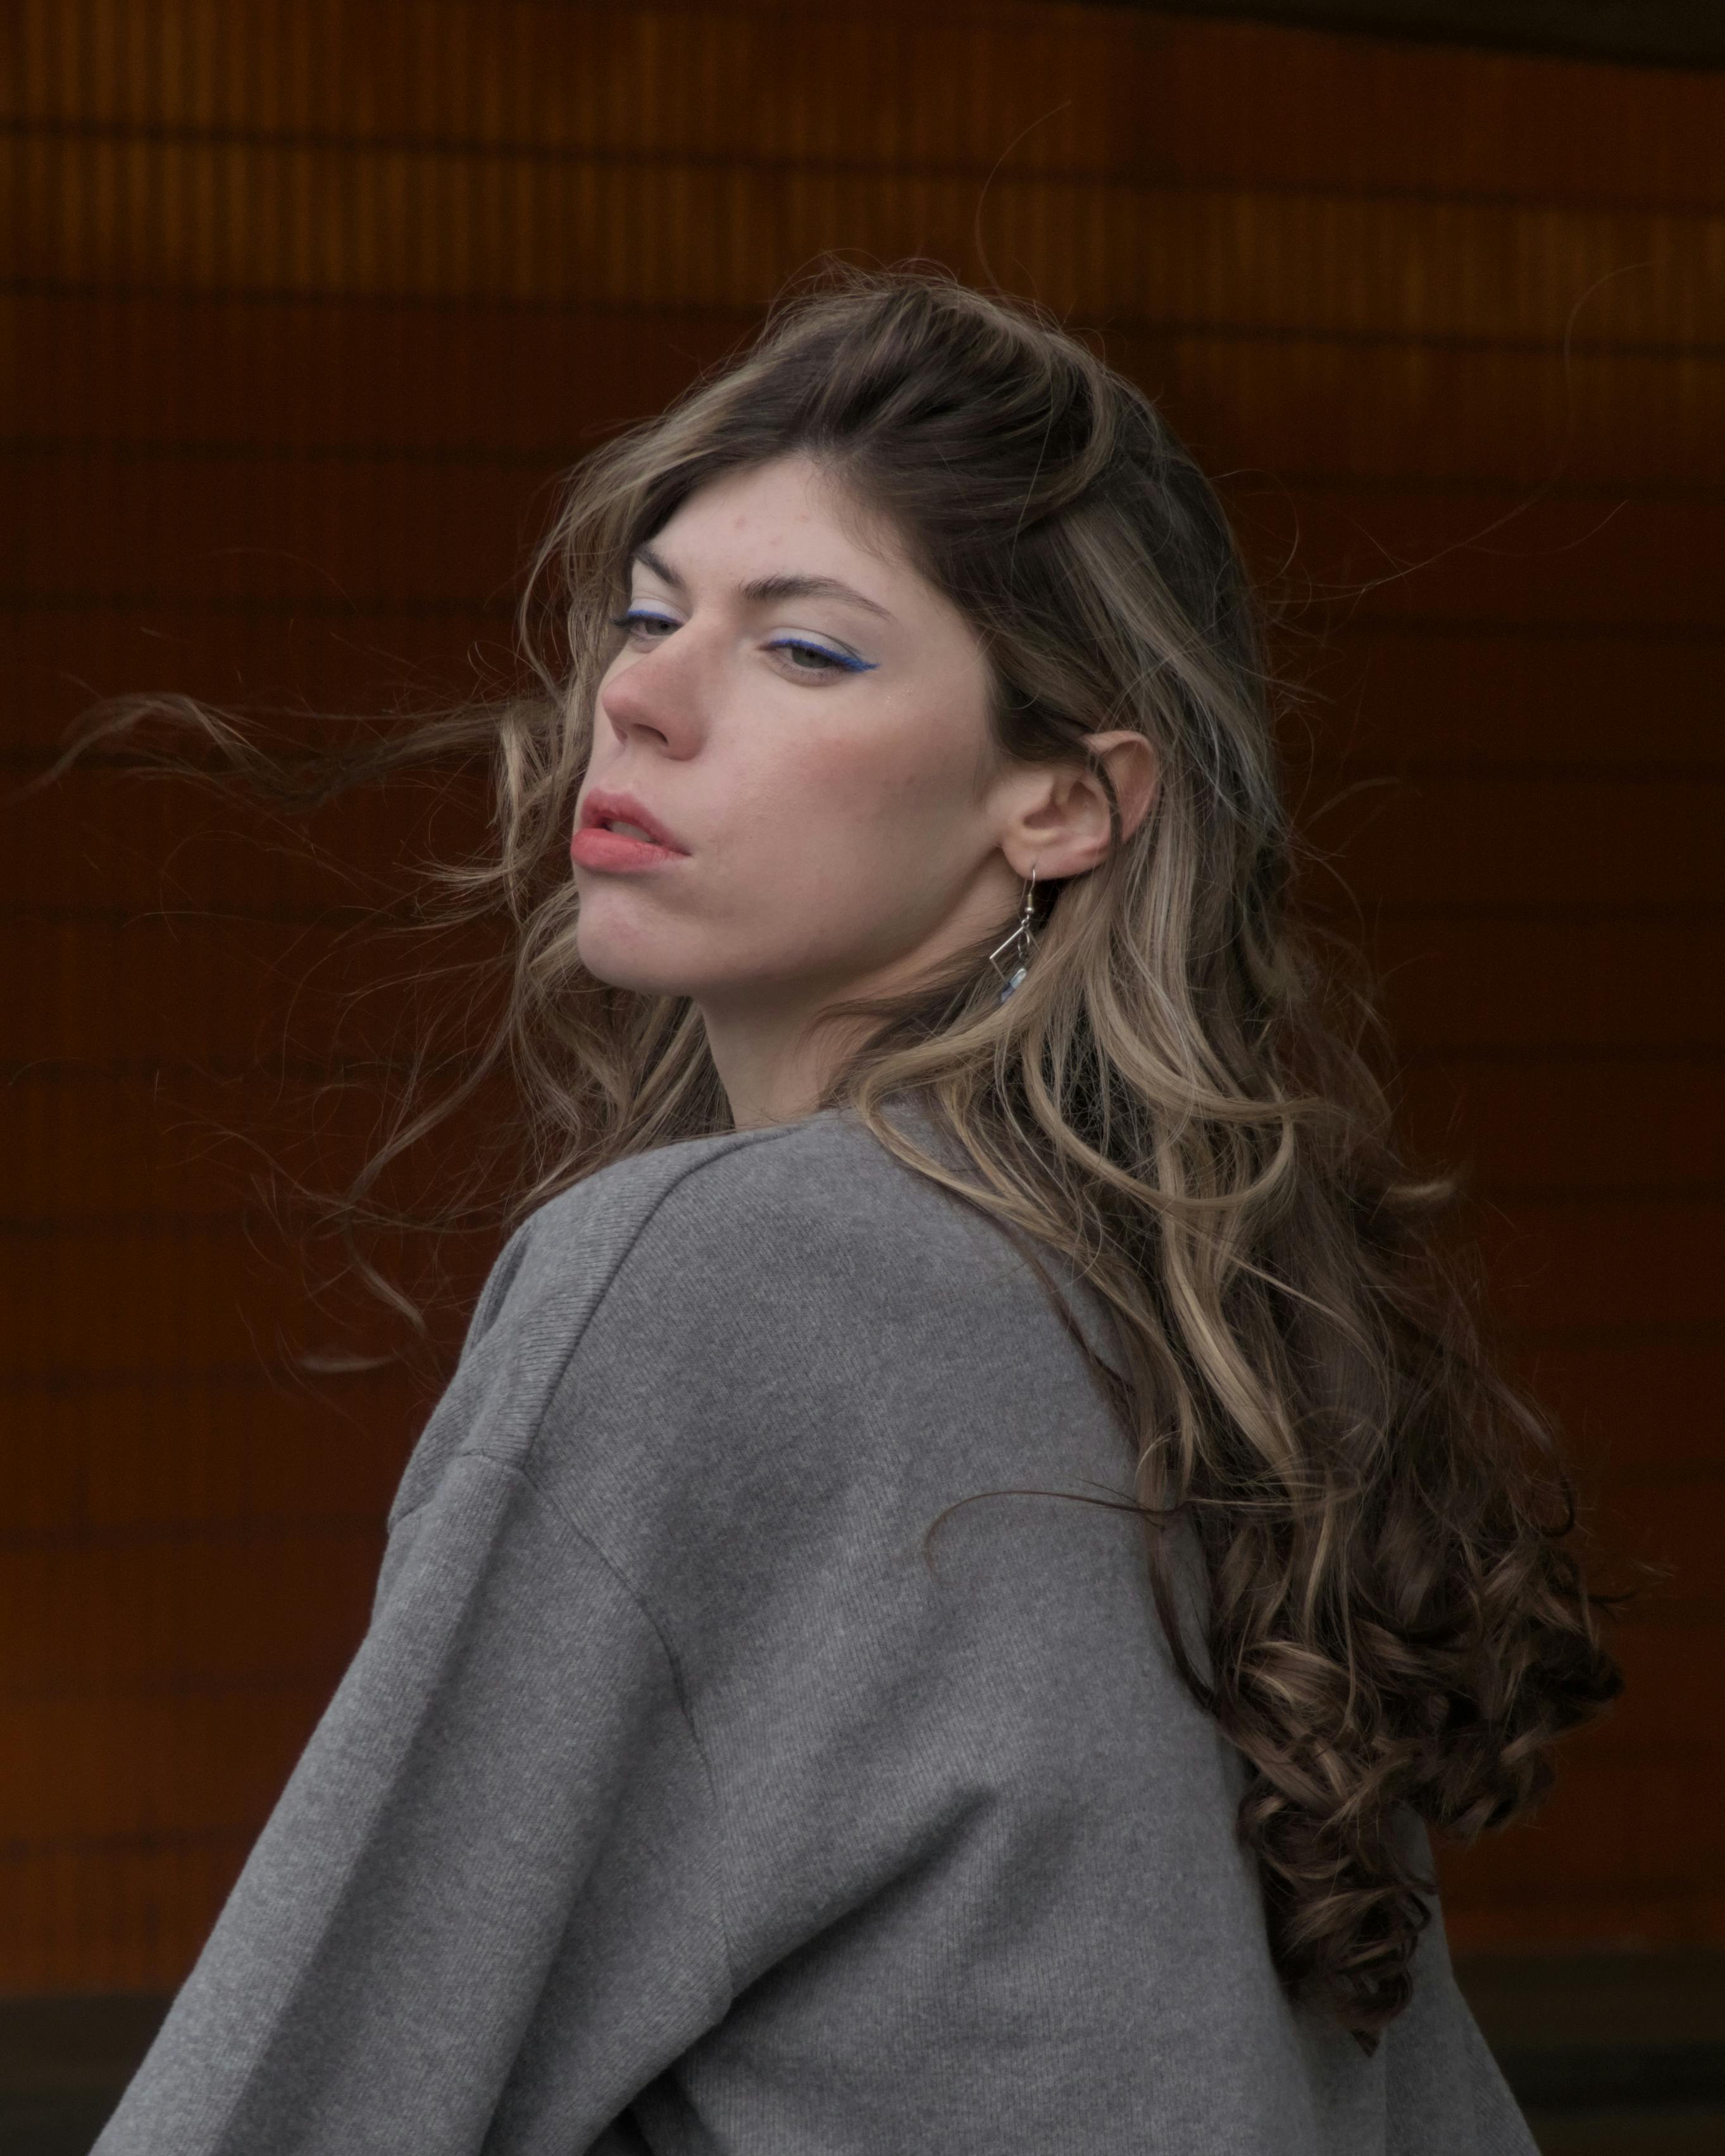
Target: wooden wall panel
x,y
303,307
1181,98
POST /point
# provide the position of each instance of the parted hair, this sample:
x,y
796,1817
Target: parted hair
x,y
1392,1619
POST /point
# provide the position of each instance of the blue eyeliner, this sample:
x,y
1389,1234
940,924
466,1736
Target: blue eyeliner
x,y
848,662
832,657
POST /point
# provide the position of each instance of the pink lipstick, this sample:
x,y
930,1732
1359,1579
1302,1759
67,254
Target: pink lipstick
x,y
642,842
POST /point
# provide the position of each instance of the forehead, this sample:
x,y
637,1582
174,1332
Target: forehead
x,y
790,515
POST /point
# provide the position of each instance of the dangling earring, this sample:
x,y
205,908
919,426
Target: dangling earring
x,y
1021,943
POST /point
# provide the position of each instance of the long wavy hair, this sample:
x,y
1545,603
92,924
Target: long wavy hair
x,y
1176,1101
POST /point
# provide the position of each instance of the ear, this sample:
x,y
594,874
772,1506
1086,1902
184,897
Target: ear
x,y
1064,828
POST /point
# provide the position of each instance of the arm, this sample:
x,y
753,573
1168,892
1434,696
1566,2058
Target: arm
x,y
489,1890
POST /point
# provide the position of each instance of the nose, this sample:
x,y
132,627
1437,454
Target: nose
x,y
659,694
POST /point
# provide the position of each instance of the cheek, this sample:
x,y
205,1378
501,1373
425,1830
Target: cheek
x,y
909,770
840,829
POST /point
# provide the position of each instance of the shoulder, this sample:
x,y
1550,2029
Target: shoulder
x,y
713,1286
731,1254
796,1214
709,1354
537,1306
570,1250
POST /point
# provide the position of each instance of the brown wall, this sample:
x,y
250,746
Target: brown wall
x,y
304,305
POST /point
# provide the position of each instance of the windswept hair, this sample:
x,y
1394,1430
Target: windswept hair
x,y
1394,1619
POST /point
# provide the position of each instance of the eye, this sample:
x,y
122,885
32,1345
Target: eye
x,y
639,622
817,661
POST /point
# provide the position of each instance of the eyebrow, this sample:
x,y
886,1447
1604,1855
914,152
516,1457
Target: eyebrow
x,y
763,591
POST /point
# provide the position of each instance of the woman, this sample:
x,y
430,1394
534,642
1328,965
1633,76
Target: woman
x,y
970,1540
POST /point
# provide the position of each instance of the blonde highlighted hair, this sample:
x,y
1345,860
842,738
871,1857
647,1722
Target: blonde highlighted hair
x,y
1394,1617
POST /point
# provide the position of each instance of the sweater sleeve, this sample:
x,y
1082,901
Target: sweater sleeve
x,y
502,1815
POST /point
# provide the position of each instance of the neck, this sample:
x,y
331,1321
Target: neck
x,y
773,1054
774,1064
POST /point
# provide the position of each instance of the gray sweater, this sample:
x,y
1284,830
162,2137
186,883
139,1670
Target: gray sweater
x,y
673,1802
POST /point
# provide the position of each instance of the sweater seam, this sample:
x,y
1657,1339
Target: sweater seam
x,y
680,1689
741,1139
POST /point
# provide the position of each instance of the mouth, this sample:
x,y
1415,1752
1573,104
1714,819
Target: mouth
x,y
616,833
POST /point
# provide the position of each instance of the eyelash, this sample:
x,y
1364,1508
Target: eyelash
x,y
847,664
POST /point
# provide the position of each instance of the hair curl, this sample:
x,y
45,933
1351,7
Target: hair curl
x,y
1174,1100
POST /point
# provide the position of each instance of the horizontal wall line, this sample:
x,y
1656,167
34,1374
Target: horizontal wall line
x,y
553,457
275,1070
175,1223
1664,1475
275,1375
178,1225
1555,1196
22,130
1414,769
1307,764
1656,1612
308,1680
1638,1333
1708,1053
1506,912
1503,1895
152,1841
126,450
48,1073
492,303
264,606
278,1527
25,912
1310,766
368,606
1485,627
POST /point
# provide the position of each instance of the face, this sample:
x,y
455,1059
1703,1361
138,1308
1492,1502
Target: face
x,y
805,717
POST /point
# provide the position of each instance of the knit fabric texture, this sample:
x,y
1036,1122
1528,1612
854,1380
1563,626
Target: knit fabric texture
x,y
687,1794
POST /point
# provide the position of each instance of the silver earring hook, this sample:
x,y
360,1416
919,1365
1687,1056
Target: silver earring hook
x,y
1022,942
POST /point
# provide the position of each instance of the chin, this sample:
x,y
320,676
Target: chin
x,y
641,980
624,962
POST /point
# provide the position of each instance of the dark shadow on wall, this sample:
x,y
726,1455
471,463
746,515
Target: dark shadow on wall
x,y
1655,33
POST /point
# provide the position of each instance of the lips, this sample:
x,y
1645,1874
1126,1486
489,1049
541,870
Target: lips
x,y
602,809
644,843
